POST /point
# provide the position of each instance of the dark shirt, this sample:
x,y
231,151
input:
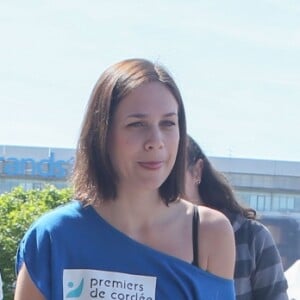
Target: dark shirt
x,y
259,273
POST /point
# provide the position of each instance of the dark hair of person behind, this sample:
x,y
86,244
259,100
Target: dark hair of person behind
x,y
215,191
94,178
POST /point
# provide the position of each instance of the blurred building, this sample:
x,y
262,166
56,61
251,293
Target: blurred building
x,y
265,185
34,167
268,186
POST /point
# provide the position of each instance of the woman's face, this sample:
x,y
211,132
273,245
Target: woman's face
x,y
144,137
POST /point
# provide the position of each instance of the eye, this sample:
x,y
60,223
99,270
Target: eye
x,y
168,123
137,124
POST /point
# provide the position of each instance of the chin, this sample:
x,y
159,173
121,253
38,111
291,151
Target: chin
x,y
152,185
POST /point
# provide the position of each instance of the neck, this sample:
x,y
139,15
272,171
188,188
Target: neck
x,y
132,210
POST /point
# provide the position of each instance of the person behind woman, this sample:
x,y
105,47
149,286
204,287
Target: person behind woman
x,y
258,272
128,234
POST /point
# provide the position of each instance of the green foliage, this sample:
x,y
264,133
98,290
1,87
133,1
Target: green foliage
x,y
18,209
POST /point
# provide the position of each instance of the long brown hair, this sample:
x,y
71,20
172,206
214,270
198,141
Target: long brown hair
x,y
94,177
215,190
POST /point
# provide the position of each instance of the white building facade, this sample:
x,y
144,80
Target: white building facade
x,y
268,186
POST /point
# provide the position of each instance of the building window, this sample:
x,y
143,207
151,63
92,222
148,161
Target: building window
x,y
276,203
260,202
290,203
268,203
253,201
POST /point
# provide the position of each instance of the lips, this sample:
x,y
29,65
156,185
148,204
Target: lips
x,y
151,165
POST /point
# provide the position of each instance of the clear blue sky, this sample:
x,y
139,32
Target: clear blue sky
x,y
237,64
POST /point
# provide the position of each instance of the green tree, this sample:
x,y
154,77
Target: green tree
x,y
18,209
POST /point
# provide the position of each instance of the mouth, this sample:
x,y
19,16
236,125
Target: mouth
x,y
151,165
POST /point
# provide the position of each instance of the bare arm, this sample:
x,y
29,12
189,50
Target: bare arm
x,y
25,288
217,245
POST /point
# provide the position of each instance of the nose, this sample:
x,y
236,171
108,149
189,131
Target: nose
x,y
154,139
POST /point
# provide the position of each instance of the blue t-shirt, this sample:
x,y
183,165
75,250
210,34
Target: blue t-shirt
x,y
73,253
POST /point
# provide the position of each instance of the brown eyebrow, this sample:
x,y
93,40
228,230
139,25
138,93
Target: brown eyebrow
x,y
142,116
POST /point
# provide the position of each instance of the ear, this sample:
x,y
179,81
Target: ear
x,y
198,168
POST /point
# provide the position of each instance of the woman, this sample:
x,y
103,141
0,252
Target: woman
x,y
128,234
258,271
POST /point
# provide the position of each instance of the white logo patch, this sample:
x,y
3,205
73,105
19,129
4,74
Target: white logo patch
x,y
83,284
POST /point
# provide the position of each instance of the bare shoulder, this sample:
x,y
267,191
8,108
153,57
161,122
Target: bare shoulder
x,y
216,240
215,228
213,220
210,219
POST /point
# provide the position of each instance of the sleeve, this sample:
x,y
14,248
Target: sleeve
x,y
35,251
268,280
